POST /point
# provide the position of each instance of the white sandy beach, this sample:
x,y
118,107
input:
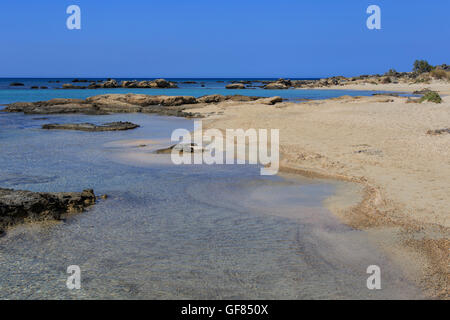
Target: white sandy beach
x,y
380,142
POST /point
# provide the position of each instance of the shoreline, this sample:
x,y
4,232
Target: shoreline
x,y
442,87
420,222
349,139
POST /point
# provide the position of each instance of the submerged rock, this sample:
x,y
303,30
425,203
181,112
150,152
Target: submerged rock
x,y
112,126
18,206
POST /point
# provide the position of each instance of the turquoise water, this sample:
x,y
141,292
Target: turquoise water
x,y
211,86
174,232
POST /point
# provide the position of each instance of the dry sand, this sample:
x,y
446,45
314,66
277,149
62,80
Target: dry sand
x,y
381,143
436,85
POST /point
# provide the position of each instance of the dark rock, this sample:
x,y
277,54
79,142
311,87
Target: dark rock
x,y
438,131
279,84
242,98
422,91
110,84
18,206
270,101
187,147
386,94
16,84
112,126
69,86
158,84
214,98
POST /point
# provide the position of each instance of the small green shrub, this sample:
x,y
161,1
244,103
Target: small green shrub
x,y
421,66
431,96
391,73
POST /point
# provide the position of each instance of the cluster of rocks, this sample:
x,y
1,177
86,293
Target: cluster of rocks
x,y
280,84
111,83
391,76
111,126
17,206
129,103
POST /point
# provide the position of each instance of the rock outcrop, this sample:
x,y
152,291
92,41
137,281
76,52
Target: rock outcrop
x,y
279,84
18,206
271,100
111,84
235,86
111,126
125,103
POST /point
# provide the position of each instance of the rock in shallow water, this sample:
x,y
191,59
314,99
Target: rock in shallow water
x,y
17,206
112,126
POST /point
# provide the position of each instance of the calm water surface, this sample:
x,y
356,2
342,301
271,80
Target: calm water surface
x,y
174,232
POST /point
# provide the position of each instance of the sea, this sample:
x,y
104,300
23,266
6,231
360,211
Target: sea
x,y
170,231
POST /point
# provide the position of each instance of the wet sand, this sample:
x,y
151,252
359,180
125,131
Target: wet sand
x,y
380,143
177,232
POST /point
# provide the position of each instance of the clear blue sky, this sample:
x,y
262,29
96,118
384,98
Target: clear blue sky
x,y
212,38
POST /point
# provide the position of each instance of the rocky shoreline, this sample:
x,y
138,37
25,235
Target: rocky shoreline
x,y
18,206
129,103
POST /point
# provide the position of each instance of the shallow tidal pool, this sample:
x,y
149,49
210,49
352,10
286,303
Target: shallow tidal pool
x,y
174,232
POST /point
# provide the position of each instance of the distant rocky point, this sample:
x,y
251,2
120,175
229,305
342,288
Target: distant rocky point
x,y
111,83
422,73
